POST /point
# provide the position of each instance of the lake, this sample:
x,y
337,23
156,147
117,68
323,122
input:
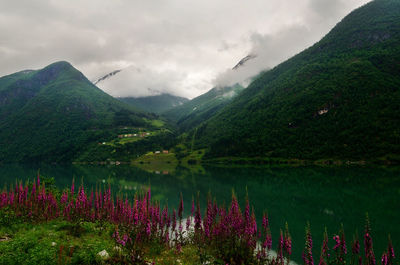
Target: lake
x,y
323,196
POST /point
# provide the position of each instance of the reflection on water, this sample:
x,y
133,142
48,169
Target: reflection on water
x,y
323,196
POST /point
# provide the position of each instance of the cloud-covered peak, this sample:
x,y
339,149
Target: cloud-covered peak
x,y
140,81
179,48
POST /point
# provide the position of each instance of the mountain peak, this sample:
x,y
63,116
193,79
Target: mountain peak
x,y
59,70
55,112
244,60
65,63
60,65
374,23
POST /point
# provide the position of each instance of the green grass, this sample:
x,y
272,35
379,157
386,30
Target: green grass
x,y
61,242
157,123
49,243
152,162
125,140
193,160
189,256
128,149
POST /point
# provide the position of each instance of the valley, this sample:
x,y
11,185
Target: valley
x,y
174,133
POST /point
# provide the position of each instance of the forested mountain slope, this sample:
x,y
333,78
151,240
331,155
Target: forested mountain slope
x,y
53,113
201,108
155,104
339,98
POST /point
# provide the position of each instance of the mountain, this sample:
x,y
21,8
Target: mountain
x,y
244,60
339,99
52,114
201,108
106,76
155,104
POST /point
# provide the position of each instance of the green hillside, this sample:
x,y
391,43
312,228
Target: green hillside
x,y
52,114
201,108
338,99
155,104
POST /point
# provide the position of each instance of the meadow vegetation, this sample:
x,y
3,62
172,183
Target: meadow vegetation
x,y
41,224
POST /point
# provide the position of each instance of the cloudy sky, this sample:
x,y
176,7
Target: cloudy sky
x,y
176,46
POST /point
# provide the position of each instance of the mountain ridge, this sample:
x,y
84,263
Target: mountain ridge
x,y
199,109
51,114
155,104
204,106
336,99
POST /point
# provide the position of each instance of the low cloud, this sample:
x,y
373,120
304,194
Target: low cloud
x,y
273,48
181,49
269,50
141,81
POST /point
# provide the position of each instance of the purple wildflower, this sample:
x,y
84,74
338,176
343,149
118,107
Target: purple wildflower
x,y
323,260
384,259
73,186
307,254
355,248
337,242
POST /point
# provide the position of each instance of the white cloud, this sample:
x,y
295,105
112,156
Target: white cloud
x,y
181,46
142,81
315,20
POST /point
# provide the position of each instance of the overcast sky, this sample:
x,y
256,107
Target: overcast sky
x,y
176,46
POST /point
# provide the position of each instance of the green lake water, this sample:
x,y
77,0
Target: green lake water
x,y
323,196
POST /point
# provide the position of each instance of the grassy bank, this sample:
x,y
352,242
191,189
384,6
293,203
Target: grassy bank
x,y
53,242
62,242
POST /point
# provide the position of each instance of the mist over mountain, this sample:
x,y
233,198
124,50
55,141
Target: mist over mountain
x,y
109,75
199,109
141,81
337,99
189,46
342,91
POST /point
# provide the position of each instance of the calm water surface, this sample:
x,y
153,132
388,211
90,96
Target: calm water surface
x,y
323,196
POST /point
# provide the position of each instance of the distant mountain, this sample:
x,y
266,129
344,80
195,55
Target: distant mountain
x,y
338,99
106,76
199,109
203,107
153,104
53,113
244,60
156,104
